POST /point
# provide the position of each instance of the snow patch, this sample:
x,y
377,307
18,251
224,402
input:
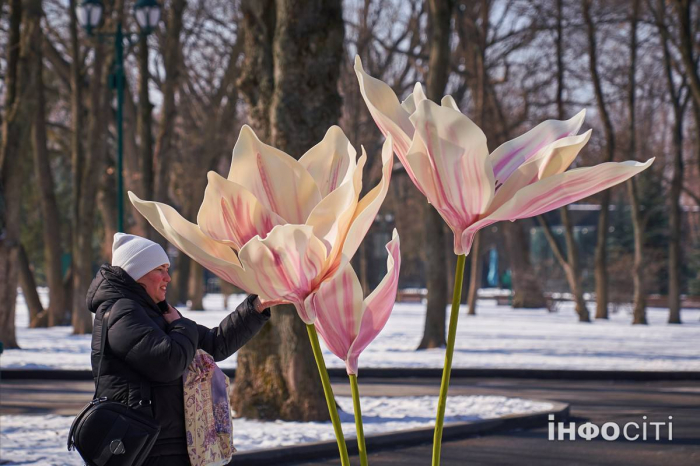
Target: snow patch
x,y
41,440
497,337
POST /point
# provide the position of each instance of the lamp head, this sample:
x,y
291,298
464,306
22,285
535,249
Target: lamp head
x,y
89,13
147,14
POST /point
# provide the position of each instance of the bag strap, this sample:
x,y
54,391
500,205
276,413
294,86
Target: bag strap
x,y
145,385
103,341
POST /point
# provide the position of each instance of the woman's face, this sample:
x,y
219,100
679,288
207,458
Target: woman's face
x,y
155,282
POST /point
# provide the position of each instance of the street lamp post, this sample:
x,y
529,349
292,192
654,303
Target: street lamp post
x,y
147,13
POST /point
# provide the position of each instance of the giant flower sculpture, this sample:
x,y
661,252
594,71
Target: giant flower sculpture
x,y
276,226
446,156
280,227
348,323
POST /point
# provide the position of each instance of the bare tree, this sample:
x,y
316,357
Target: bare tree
x,y
28,284
488,47
88,174
276,376
601,255
208,114
172,64
165,139
80,264
687,47
56,312
638,221
440,16
679,101
569,260
16,124
383,53
689,59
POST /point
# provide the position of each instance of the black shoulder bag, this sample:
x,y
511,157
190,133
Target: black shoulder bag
x,y
108,432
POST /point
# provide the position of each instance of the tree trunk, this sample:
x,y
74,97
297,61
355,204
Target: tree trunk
x,y
573,271
96,147
572,277
601,259
527,290
195,278
436,281
685,34
689,60
639,298
8,284
195,287
133,169
177,291
15,129
276,376
440,15
674,240
674,246
42,168
164,141
28,284
601,256
107,205
77,303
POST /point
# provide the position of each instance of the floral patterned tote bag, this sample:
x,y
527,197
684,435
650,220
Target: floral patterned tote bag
x,y
208,418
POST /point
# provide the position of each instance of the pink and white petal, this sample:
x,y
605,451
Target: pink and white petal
x,y
562,189
559,155
331,162
510,155
457,233
409,104
277,180
463,243
424,179
384,106
231,214
425,182
459,159
286,265
365,212
338,306
332,216
553,159
413,99
378,305
188,238
449,101
418,95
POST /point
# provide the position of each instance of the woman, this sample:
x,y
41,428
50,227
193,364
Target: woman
x,y
149,344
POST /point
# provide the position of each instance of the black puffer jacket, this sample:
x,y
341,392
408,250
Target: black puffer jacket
x,y
143,350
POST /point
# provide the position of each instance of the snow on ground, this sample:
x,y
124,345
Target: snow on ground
x,y
498,337
41,440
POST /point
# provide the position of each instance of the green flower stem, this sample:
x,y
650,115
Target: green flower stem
x,y
328,392
444,385
358,419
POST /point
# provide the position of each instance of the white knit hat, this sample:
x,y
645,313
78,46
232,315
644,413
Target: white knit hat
x,y
136,255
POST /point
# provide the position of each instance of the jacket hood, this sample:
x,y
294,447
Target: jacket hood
x,y
113,283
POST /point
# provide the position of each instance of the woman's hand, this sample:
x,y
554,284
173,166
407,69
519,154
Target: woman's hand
x,y
261,305
172,315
